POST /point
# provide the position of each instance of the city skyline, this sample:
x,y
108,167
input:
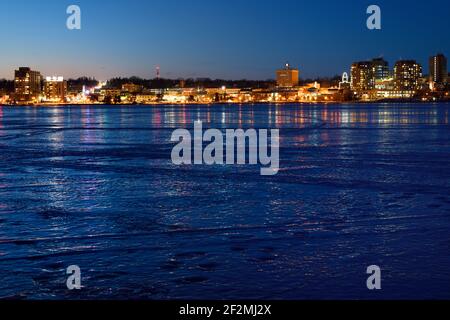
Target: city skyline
x,y
369,81
133,38
425,68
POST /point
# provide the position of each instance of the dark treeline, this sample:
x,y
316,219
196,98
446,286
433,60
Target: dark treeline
x,y
324,81
82,81
189,83
212,83
6,85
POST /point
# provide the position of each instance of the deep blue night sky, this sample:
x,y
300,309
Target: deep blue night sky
x,y
218,39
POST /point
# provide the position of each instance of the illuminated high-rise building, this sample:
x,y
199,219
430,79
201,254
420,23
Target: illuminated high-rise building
x,y
380,69
55,89
27,85
438,69
407,74
362,76
288,77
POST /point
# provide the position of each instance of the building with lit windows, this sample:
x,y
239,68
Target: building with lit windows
x,y
362,76
438,70
27,85
55,89
407,74
132,88
288,77
380,69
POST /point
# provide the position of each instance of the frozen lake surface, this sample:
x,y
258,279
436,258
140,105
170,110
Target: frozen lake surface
x,y
359,185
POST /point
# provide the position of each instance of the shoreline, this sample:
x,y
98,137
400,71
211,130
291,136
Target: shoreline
x,y
309,103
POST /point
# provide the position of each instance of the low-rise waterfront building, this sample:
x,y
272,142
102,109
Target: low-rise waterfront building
x,y
132,88
395,94
146,98
4,98
386,84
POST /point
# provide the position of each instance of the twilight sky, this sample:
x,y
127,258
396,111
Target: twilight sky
x,y
231,39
